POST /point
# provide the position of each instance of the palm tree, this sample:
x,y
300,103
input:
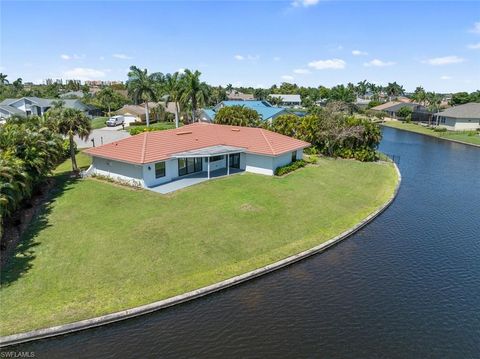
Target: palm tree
x,y
142,86
229,88
173,84
106,96
194,91
362,88
420,95
434,100
393,90
73,122
3,79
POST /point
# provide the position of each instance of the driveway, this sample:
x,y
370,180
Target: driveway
x,y
102,136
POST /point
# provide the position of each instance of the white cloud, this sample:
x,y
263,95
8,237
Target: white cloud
x,y
476,28
301,71
445,77
276,58
72,57
304,3
446,60
246,57
335,64
287,78
378,63
359,53
474,46
81,73
122,56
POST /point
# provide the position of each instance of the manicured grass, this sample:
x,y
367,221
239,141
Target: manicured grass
x,y
101,248
99,122
83,162
463,136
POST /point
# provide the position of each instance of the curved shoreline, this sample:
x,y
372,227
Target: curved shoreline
x,y
148,308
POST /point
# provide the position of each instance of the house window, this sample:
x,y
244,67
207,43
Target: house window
x,y
294,156
216,158
159,169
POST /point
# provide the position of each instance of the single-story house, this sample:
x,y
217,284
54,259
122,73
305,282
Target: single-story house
x,y
237,95
38,106
153,158
289,100
460,118
392,107
265,110
136,113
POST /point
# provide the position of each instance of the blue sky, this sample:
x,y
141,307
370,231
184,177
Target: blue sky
x,y
252,43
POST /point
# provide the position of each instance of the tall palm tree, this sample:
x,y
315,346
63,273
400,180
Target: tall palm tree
x,y
73,122
362,88
142,86
420,95
173,87
433,100
194,91
106,96
3,79
393,90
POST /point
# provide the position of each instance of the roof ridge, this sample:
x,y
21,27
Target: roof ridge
x,y
268,142
144,147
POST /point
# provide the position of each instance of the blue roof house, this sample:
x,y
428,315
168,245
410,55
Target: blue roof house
x,y
265,110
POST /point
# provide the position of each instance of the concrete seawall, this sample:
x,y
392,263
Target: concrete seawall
x,y
148,308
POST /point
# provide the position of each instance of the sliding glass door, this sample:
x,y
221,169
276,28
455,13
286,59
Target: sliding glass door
x,y
189,165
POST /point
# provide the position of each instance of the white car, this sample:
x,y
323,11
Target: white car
x,y
115,121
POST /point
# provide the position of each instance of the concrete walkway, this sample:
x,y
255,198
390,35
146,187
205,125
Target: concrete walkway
x,y
190,180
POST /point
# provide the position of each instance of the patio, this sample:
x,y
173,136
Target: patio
x,y
193,179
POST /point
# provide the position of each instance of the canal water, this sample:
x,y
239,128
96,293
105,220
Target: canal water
x,y
406,286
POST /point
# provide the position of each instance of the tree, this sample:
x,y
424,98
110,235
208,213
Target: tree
x,y
71,122
106,96
260,94
362,88
274,100
287,125
142,86
393,90
3,79
419,96
17,85
342,93
194,91
237,116
460,98
404,112
173,87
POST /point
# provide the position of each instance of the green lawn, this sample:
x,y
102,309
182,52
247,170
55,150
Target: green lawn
x,y
463,136
99,122
101,248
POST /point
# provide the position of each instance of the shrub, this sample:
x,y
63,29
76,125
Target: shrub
x,y
280,171
440,129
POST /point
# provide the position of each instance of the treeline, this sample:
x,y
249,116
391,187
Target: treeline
x,y
30,148
331,130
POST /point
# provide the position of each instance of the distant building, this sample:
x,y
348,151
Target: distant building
x,y
392,107
235,95
27,106
72,94
460,118
136,113
265,110
288,100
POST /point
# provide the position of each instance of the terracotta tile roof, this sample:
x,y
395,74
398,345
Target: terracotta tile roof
x,y
155,146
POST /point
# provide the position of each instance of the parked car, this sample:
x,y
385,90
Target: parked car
x,y
115,121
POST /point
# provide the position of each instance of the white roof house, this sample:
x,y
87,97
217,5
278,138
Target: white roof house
x,y
289,100
460,118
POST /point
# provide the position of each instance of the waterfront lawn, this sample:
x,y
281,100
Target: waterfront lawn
x,y
463,136
100,247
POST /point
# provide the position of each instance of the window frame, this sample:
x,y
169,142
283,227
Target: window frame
x,y
162,171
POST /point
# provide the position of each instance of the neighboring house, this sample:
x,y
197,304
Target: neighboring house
x,y
200,149
265,110
137,112
460,118
240,96
289,100
38,106
392,107
7,111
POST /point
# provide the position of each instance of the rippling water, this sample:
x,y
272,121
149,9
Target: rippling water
x,y
406,286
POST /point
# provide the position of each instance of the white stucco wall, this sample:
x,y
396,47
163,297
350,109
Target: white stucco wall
x,y
171,172
259,164
460,124
118,170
